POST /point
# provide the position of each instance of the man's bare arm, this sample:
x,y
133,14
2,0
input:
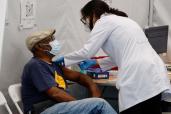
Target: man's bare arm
x,y
82,79
59,95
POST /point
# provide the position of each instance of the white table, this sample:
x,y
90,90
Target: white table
x,y
112,80
106,82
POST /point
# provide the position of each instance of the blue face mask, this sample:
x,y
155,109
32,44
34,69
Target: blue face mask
x,y
55,47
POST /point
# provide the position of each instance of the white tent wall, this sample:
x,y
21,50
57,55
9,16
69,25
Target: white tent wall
x,y
137,10
64,16
161,16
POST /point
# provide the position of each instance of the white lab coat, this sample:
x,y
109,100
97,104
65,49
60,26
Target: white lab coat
x,y
142,74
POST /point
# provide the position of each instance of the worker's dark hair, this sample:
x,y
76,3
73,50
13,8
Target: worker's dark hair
x,y
97,8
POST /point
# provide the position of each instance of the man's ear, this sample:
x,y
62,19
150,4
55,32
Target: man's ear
x,y
38,47
42,47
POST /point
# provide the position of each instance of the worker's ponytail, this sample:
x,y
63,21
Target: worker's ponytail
x,y
117,12
99,7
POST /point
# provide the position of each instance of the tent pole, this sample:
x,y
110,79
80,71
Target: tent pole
x,y
3,5
150,15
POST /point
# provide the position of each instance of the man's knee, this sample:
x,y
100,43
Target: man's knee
x,y
98,101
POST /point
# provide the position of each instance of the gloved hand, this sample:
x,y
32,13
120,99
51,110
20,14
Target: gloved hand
x,y
84,65
60,61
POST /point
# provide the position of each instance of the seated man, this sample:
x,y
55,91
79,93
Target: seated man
x,y
42,81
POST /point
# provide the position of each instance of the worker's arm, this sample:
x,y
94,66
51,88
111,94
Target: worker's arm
x,y
59,95
82,79
98,36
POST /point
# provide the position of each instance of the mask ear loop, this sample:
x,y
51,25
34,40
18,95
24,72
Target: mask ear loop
x,y
47,45
48,51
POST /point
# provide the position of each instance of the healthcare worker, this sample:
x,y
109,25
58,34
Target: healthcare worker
x,y
142,76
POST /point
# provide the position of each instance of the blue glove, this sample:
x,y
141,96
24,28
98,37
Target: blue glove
x,y
60,61
84,65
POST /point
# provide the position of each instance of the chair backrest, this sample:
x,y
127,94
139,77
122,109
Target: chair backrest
x,y
15,94
3,102
2,99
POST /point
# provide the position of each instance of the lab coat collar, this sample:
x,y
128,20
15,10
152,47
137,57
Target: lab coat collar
x,y
105,14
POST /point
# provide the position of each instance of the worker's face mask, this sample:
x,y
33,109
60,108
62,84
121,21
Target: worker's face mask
x,y
88,24
87,28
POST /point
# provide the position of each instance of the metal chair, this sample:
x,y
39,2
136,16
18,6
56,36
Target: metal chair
x,y
15,94
3,102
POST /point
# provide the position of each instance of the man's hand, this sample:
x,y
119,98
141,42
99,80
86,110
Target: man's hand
x,y
82,79
95,91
